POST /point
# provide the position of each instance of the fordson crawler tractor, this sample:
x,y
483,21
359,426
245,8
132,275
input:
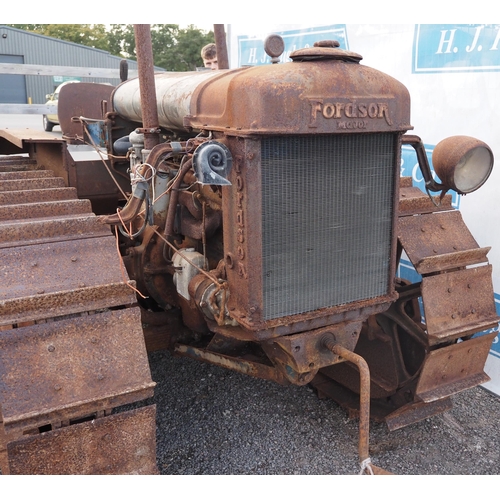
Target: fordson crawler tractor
x,y
258,213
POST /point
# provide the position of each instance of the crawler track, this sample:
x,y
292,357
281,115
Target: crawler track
x,y
71,344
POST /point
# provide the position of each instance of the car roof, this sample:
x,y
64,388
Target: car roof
x,y
63,84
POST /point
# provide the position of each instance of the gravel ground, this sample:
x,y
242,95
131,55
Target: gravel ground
x,y
211,421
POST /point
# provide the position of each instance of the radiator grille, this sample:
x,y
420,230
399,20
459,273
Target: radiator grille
x,y
326,225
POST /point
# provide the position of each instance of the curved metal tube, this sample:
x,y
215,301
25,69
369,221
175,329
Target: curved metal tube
x,y
416,143
174,197
131,209
364,398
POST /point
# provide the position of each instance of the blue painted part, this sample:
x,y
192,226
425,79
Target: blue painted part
x,y
98,133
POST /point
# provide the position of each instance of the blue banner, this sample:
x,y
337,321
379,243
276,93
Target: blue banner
x,y
456,48
251,50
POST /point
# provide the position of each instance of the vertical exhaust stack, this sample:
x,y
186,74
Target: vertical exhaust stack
x,y
220,42
149,110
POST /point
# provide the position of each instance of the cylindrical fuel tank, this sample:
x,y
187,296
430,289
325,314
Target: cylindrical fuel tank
x,y
324,92
173,93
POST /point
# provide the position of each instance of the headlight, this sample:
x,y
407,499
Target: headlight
x,y
462,163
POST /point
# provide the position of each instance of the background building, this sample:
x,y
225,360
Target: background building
x,y
22,47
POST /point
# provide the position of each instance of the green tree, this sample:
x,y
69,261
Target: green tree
x,y
185,54
174,48
121,40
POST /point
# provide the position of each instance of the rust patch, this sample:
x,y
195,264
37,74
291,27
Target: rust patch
x,y
454,368
124,443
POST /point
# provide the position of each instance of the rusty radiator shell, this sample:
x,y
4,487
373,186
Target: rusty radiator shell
x,y
242,217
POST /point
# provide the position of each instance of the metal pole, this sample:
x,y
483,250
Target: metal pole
x,y
364,403
220,42
149,110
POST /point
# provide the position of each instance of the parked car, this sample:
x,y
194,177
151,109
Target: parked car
x,y
50,121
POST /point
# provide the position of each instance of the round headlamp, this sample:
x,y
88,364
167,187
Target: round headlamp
x,y
462,163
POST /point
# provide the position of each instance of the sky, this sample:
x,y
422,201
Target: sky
x,y
253,13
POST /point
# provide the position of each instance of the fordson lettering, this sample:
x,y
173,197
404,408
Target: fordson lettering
x,y
240,224
350,114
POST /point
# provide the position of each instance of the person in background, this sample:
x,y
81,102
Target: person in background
x,y
209,56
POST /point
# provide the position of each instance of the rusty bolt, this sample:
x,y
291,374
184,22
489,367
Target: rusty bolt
x,y
328,340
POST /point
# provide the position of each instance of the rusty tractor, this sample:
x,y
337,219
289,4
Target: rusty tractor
x,y
258,216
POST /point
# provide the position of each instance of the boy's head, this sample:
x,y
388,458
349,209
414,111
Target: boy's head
x,y
209,56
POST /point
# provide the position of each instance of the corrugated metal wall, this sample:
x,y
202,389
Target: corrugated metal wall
x,y
39,49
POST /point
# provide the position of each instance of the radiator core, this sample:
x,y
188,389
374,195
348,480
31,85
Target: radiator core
x,y
327,210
